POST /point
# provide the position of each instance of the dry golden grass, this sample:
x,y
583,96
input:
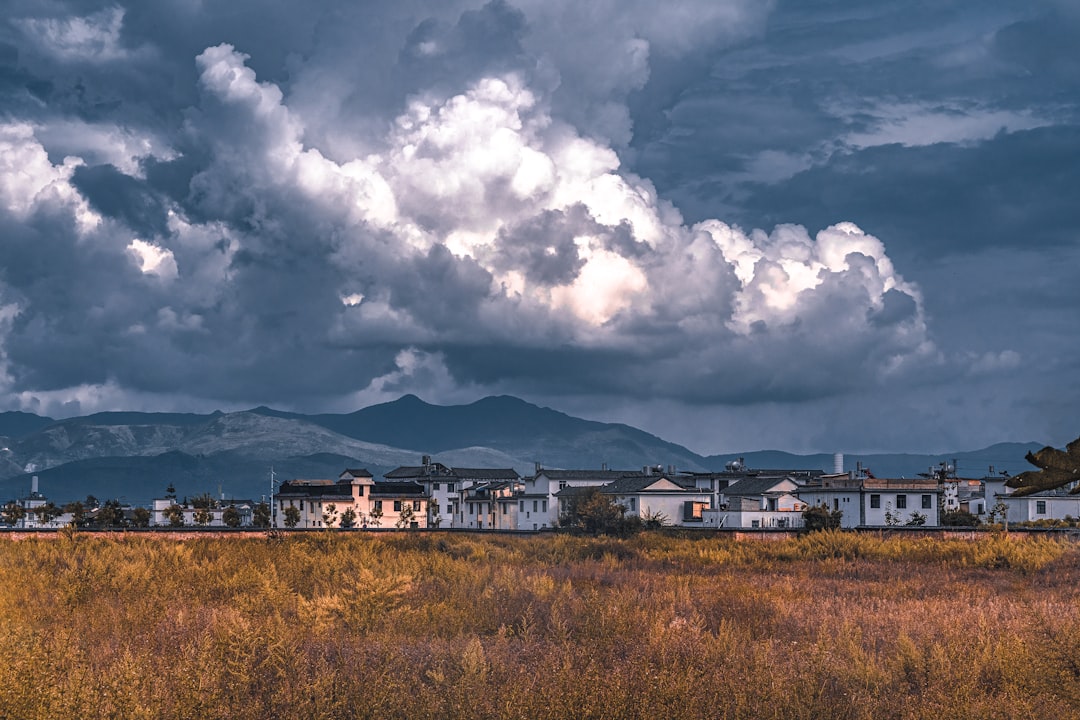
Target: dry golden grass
x,y
403,625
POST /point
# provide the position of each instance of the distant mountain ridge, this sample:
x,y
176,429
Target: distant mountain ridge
x,y
136,455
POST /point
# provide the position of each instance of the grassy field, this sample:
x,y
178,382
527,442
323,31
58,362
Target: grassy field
x,y
416,625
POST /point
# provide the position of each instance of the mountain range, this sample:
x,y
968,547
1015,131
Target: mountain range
x,y
134,456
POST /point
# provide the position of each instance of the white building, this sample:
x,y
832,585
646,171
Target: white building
x,y
658,498
538,505
758,502
874,502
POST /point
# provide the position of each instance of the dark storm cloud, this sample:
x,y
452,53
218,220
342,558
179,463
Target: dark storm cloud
x,y
944,198
326,204
120,196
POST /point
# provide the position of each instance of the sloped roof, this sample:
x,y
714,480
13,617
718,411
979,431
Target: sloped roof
x,y
397,489
313,489
419,471
569,491
756,486
485,473
644,484
358,472
608,475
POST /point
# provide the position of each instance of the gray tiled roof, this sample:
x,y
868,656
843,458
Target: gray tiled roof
x,y
753,486
640,483
485,473
407,472
608,475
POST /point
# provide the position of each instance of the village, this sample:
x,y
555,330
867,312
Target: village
x,y
432,495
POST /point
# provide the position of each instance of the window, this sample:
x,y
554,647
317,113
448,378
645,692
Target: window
x,y
901,502
397,506
416,505
875,501
472,510
1040,507
378,505
522,508
534,506
633,504
927,502
301,506
835,505
504,508
435,487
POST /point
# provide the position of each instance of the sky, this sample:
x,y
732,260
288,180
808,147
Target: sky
x,y
813,225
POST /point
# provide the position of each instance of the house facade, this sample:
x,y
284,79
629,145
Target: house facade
x,y
758,502
659,498
866,501
192,511
539,506
323,503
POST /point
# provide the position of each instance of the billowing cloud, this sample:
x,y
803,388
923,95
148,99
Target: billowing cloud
x,y
339,204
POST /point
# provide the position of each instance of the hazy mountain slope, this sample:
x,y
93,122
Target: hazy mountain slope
x,y
259,435
15,424
138,480
75,439
512,426
136,455
1007,457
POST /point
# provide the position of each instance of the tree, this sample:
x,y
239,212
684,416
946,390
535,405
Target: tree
x,y
78,513
1000,513
174,514
654,520
594,513
231,517
140,517
261,516
292,516
110,515
47,513
406,516
202,516
375,516
819,517
917,519
434,516
329,516
348,519
170,492
12,513
205,501
959,518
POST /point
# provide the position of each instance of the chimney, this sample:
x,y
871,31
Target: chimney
x,y
603,466
646,470
33,485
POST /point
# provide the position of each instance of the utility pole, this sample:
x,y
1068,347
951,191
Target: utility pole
x,y
273,505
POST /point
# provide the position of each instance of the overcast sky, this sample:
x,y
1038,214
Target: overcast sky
x,y
804,225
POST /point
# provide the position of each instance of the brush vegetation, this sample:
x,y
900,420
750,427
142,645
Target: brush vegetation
x,y
405,625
